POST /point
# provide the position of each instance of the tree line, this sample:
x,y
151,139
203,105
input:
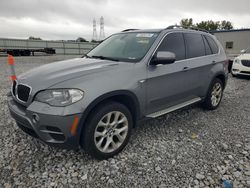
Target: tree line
x,y
208,25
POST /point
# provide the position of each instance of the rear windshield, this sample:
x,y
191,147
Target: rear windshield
x,y
248,50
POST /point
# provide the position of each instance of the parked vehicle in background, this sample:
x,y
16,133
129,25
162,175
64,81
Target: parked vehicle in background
x,y
241,64
233,41
95,101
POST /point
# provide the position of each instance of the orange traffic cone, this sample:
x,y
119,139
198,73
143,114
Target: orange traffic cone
x,y
12,67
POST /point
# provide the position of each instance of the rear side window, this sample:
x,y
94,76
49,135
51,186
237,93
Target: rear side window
x,y
212,44
195,45
207,47
174,42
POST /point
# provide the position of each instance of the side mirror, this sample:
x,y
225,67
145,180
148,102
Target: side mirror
x,y
243,51
163,58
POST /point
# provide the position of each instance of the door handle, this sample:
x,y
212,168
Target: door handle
x,y
185,69
213,62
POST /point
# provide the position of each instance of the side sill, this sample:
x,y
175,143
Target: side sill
x,y
173,108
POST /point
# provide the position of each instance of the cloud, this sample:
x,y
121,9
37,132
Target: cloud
x,y
69,19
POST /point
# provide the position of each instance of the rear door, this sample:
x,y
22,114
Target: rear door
x,y
198,62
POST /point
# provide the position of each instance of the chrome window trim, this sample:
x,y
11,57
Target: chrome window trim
x,y
148,64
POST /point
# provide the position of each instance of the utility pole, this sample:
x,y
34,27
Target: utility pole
x,y
94,36
102,35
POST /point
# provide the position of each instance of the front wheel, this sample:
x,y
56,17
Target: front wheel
x,y
107,130
214,95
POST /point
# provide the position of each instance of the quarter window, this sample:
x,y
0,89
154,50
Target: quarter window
x,y
212,44
207,47
195,45
174,42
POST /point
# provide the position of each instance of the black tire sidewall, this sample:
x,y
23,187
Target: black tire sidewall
x,y
91,123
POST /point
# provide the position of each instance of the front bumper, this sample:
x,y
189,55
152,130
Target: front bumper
x,y
239,69
51,129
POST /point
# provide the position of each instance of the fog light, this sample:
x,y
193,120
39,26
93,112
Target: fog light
x,y
236,70
35,118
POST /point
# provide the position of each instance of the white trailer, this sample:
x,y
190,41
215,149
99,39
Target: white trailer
x,y
27,47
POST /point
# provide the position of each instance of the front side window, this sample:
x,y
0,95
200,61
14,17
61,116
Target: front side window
x,y
174,43
128,47
195,45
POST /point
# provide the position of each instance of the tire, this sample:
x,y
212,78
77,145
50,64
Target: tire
x,y
26,52
16,53
103,136
10,53
213,98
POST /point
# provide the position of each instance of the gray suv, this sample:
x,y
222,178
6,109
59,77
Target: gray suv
x,y
95,101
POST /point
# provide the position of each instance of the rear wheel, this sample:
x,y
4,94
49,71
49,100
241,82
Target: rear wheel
x,y
107,130
214,95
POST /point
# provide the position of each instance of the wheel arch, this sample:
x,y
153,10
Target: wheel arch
x,y
219,75
222,77
124,97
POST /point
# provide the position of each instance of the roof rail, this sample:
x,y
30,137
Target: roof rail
x,y
174,27
180,27
198,29
129,30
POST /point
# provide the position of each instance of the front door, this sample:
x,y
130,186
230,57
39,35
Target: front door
x,y
167,85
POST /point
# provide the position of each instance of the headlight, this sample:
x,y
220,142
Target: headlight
x,y
237,61
59,97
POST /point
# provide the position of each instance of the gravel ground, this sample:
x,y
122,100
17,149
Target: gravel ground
x,y
188,148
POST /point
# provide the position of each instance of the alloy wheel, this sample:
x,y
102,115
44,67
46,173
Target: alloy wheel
x,y
111,131
216,94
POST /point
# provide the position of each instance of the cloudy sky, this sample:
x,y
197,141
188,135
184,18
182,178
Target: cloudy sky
x,y
69,19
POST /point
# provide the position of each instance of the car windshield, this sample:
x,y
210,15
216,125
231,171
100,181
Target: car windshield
x,y
128,47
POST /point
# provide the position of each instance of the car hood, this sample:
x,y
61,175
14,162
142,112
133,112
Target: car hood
x,y
244,56
50,74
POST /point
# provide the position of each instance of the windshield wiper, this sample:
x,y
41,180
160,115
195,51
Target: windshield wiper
x,y
86,56
103,57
